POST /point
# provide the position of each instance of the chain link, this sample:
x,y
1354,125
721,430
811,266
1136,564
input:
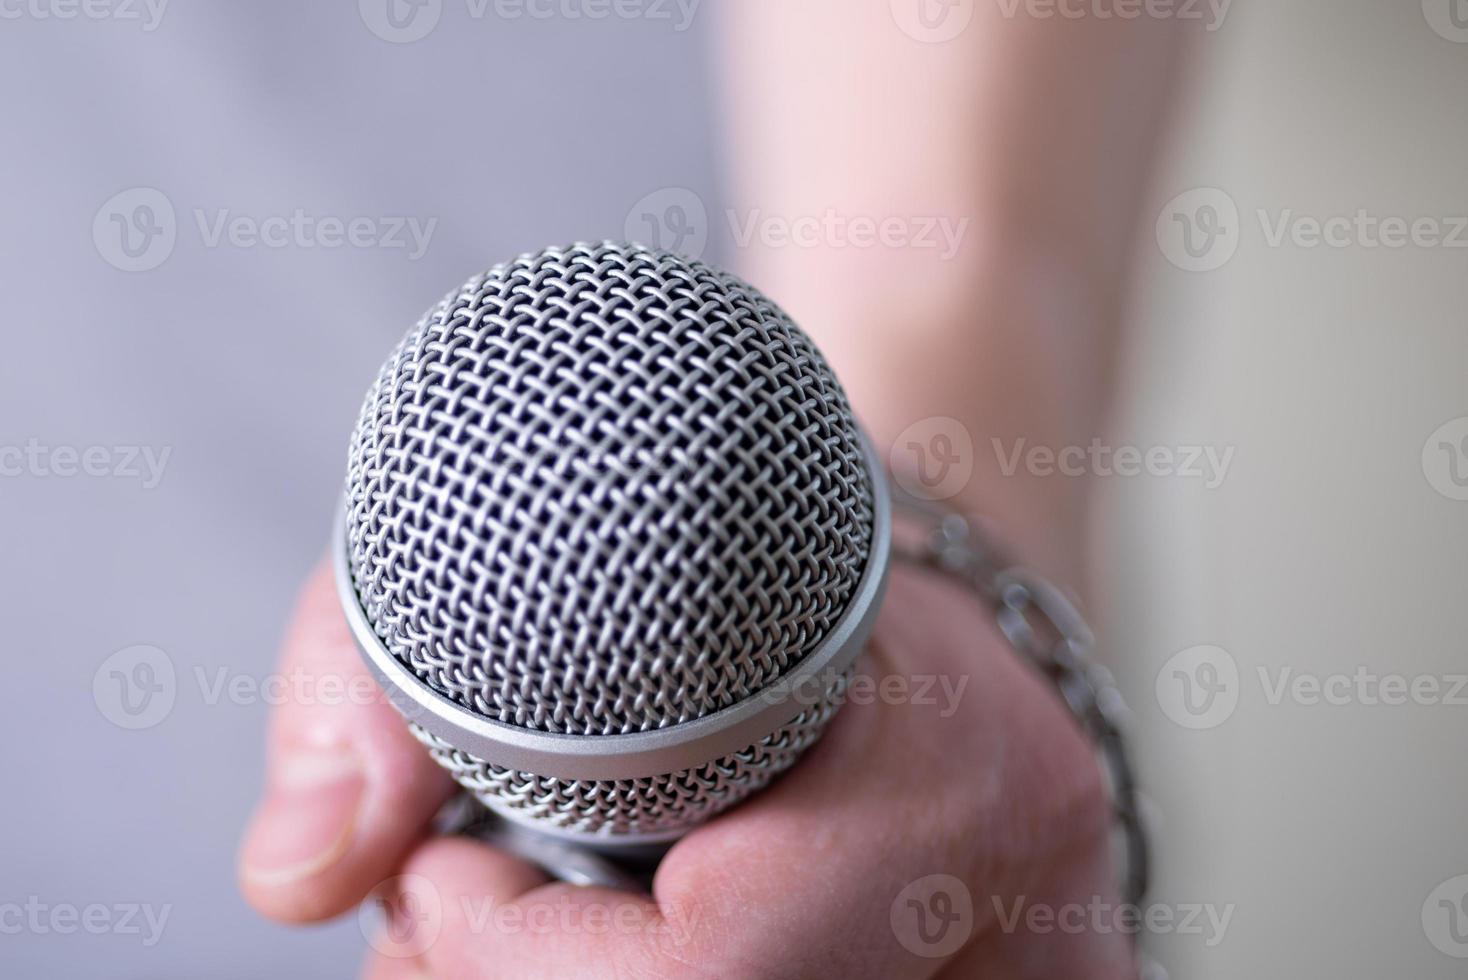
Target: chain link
x,y
1045,627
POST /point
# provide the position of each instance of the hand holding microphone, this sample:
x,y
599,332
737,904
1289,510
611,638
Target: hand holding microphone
x,y
601,503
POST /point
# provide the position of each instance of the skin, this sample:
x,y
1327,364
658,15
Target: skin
x,y
1040,133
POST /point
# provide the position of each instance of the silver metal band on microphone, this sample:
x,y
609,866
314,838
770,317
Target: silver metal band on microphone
x,y
634,755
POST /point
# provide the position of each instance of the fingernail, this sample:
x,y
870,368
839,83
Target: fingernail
x,y
306,823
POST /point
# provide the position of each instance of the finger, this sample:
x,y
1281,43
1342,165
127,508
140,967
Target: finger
x,y
449,884
566,930
467,910
348,790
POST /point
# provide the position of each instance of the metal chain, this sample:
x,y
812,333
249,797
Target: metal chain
x,y
1044,627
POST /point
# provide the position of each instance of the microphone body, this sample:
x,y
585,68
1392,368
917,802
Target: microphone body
x,y
611,540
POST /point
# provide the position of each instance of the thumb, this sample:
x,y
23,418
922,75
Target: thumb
x,y
348,790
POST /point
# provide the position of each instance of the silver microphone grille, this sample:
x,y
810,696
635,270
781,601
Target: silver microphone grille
x,y
601,490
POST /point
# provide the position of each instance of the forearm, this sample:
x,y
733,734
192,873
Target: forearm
x,y
1028,141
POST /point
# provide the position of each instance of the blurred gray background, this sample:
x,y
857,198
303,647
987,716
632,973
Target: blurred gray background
x,y
250,363
1334,543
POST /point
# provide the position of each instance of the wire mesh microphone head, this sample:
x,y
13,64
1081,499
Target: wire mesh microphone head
x,y
602,491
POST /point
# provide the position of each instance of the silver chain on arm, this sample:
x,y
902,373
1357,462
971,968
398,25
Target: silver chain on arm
x,y
1045,628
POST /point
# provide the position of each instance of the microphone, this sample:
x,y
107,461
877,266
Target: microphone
x,y
611,541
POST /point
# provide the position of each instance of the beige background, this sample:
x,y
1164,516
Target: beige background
x,y
1326,548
